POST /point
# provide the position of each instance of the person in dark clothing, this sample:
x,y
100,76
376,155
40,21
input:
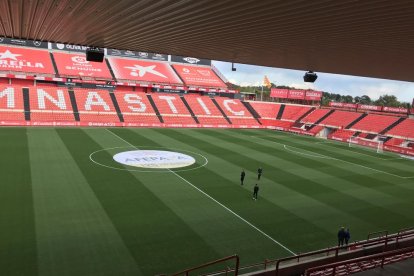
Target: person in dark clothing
x,y
255,191
347,236
259,173
242,175
341,236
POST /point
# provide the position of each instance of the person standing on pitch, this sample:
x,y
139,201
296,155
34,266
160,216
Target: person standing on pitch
x,y
347,236
255,191
242,175
341,236
259,173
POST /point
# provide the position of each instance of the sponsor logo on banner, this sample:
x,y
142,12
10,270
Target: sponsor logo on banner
x,y
198,76
140,71
70,64
25,43
20,59
69,47
369,107
395,109
191,60
343,105
138,55
279,93
155,159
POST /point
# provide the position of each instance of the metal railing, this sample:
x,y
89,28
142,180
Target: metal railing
x,y
235,269
380,256
371,241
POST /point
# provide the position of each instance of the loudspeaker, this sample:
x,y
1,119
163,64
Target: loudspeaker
x,y
310,77
95,55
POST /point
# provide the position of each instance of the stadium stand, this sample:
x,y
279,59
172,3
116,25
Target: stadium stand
x,y
205,110
11,104
172,109
374,123
95,106
341,135
136,108
236,111
315,116
395,142
294,112
404,129
50,104
266,110
340,118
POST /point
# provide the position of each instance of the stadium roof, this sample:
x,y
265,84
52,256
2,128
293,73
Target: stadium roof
x,y
372,38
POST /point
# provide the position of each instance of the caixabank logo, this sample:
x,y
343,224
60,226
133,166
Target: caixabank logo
x,y
155,159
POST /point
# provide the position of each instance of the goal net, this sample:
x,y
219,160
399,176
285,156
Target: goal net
x,y
366,143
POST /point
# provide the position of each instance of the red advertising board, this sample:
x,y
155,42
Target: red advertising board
x,y
343,105
140,70
198,76
296,94
370,107
313,95
279,93
25,60
77,65
395,109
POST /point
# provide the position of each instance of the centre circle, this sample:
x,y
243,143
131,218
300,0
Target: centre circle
x,y
154,159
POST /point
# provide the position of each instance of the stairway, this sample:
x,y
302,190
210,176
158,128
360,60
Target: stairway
x,y
190,110
252,111
356,120
151,100
116,105
388,128
221,110
280,113
74,104
26,102
306,114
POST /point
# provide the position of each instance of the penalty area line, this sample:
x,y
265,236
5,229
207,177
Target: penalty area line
x,y
216,201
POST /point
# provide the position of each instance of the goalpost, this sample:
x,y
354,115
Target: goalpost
x,y
377,145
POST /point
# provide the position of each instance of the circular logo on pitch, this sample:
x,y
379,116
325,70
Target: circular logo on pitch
x,y
155,159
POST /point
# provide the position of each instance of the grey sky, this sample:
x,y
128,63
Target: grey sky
x,y
341,84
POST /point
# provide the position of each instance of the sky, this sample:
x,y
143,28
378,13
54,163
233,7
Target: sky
x,y
333,83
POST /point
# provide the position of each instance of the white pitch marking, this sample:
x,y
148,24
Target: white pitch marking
x,y
333,158
219,203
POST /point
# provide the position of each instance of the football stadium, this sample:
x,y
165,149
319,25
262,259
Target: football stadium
x,y
126,151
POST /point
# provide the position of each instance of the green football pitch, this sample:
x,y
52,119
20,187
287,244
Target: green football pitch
x,y
67,208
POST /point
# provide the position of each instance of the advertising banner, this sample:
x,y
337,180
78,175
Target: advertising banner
x,y
139,55
200,76
313,95
25,43
69,47
191,60
142,70
279,93
25,60
395,109
296,94
77,65
343,105
370,107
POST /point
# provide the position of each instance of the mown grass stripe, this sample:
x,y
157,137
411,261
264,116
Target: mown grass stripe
x,y
158,240
219,180
317,189
219,203
68,213
18,252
